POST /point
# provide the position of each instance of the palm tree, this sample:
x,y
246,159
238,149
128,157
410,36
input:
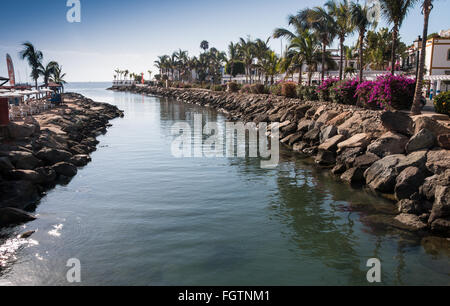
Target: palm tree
x,y
270,66
322,24
261,49
233,56
57,76
47,71
204,45
427,6
118,72
360,19
149,74
247,52
395,12
344,26
34,58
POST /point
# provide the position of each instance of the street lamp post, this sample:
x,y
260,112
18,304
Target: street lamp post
x,y
417,44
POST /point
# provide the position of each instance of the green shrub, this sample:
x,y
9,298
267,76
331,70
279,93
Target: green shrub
x,y
233,87
309,93
275,89
257,88
442,103
289,89
217,87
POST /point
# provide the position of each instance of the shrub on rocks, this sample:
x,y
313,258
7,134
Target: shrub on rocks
x,y
257,89
308,93
246,88
275,89
289,89
233,87
324,90
344,92
442,103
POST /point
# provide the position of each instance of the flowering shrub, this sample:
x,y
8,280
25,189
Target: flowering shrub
x,y
246,88
324,90
343,92
387,92
289,89
442,103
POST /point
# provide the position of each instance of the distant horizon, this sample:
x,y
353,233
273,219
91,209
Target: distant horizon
x,y
102,42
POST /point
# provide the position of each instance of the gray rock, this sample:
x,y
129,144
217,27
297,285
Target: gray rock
x,y
25,175
398,122
20,131
381,176
416,159
312,135
327,133
388,144
408,182
65,169
13,216
365,161
52,156
411,222
438,161
354,176
408,206
24,160
5,165
325,158
441,226
331,143
18,194
444,141
441,206
80,160
423,140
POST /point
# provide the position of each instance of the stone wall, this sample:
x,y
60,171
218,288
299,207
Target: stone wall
x,y
404,158
46,150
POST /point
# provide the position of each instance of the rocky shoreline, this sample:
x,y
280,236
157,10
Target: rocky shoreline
x,y
46,150
403,158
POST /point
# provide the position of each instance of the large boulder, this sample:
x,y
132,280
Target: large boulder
x,y
303,126
444,141
24,160
422,140
398,122
80,160
20,131
312,135
428,189
417,159
441,206
339,119
388,144
407,206
65,169
411,222
438,161
52,156
327,116
441,226
47,175
25,175
408,182
331,143
351,126
5,165
381,176
365,161
354,176
357,141
13,216
424,122
325,158
18,194
328,132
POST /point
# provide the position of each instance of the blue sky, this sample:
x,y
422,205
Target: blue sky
x,y
131,34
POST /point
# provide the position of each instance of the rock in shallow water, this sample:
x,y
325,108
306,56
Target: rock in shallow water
x,y
13,216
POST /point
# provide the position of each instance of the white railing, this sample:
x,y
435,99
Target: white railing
x,y
119,83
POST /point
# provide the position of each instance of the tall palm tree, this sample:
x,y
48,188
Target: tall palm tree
x,y
204,45
395,12
322,24
427,6
247,52
233,56
270,66
361,20
57,76
34,58
261,49
344,26
47,71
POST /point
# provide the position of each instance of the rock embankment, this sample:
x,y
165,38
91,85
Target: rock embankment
x,y
404,158
47,149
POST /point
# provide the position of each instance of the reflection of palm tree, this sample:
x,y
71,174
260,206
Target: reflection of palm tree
x,y
34,58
